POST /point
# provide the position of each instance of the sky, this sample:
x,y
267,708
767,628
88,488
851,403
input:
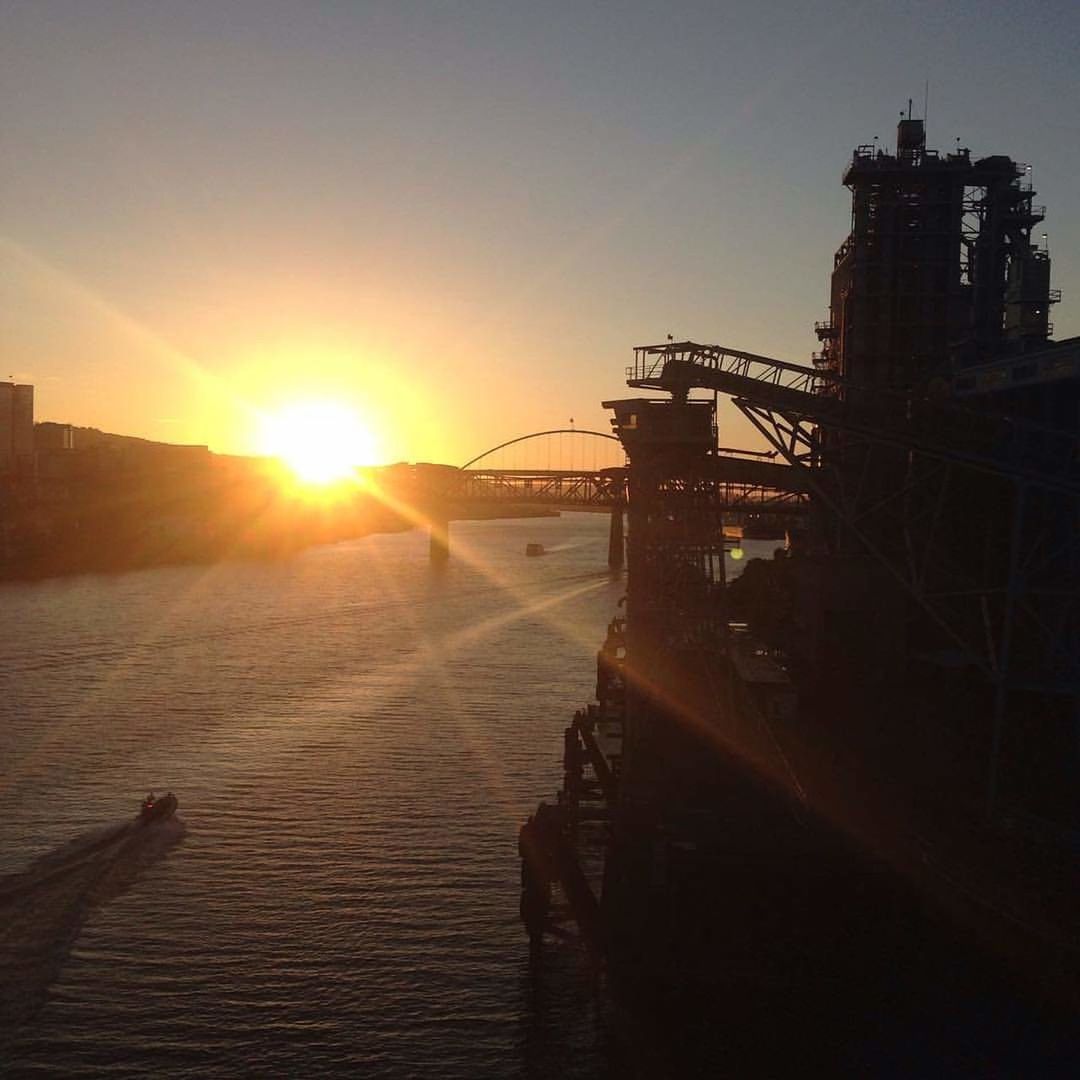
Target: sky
x,y
458,218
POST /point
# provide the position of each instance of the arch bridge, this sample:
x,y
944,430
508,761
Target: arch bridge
x,y
582,470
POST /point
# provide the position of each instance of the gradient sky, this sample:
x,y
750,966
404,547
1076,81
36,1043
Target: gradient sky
x,y
460,217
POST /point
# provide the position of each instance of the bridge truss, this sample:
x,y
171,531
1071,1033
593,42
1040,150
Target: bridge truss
x,y
585,490
737,487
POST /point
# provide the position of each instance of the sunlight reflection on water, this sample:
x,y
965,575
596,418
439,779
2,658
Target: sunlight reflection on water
x,y
354,739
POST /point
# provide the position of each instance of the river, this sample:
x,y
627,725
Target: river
x,y
355,737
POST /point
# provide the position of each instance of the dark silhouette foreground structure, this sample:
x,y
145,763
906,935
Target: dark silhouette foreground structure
x,y
847,836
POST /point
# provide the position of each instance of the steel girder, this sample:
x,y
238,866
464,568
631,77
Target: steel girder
x,y
600,490
676,553
736,486
992,559
976,515
1047,458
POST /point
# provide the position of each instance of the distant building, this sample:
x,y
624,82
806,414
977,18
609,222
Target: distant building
x,y
16,428
54,446
51,436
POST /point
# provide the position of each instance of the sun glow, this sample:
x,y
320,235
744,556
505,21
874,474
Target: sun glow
x,y
322,442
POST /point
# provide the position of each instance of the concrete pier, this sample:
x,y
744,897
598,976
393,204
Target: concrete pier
x,y
439,538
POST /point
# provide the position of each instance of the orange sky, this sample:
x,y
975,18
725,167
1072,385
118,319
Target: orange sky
x,y
458,221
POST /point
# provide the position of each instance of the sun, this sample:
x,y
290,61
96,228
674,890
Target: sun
x,y
322,442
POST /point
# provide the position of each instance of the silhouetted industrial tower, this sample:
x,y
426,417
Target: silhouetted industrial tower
x,y
939,271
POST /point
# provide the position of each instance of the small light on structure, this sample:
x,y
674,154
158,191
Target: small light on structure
x,y
737,553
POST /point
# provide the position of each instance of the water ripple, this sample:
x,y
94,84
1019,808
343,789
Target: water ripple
x,y
354,739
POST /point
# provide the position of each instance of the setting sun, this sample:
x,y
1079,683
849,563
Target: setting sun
x,y
321,441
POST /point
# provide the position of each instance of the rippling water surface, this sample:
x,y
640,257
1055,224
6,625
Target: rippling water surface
x,y
355,738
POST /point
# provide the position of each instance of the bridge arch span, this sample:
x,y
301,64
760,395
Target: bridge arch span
x,y
540,435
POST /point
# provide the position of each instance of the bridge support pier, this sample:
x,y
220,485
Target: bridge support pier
x,y
616,544
439,538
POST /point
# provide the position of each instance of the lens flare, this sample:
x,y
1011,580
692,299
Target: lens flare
x,y
322,442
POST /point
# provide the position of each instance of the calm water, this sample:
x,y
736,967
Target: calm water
x,y
355,739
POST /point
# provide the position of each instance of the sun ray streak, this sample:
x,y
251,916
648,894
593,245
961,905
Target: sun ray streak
x,y
149,340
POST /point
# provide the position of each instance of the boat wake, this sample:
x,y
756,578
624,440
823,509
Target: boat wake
x,y
43,908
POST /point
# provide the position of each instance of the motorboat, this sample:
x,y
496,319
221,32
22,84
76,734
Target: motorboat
x,y
534,549
155,808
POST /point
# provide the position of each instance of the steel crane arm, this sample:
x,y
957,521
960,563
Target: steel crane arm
x,y
677,367
1046,457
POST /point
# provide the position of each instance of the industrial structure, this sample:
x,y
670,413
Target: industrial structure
x,y
939,270
915,823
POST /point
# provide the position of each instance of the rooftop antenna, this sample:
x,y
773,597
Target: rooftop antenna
x,y
926,101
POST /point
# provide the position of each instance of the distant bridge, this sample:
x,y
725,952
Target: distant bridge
x,y
558,490
740,486
565,445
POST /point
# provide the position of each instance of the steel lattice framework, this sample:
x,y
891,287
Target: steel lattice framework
x,y
988,442
975,514
736,487
586,490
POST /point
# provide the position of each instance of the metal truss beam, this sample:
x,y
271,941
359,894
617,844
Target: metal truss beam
x,y
1044,457
989,587
734,485
974,514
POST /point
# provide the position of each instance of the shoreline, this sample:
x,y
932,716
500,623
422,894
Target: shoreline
x,y
111,556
